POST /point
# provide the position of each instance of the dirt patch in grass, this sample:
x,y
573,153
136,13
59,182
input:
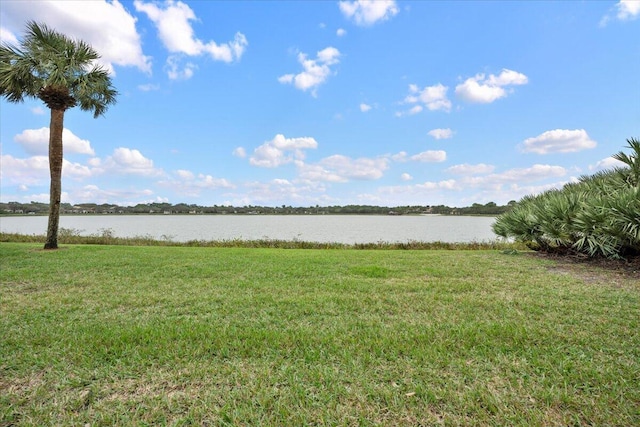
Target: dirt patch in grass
x,y
597,271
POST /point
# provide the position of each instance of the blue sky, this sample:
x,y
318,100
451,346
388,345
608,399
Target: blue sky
x,y
333,103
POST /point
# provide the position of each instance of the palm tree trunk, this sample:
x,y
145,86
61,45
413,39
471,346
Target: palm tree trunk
x,y
55,170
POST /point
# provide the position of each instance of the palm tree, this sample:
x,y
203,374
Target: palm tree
x,y
62,73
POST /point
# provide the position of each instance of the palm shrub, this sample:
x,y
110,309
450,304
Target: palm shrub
x,y
521,223
598,216
555,214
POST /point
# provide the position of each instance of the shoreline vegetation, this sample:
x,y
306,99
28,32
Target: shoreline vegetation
x,y
108,237
142,335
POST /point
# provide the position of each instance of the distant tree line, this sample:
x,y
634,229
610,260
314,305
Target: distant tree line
x,y
37,208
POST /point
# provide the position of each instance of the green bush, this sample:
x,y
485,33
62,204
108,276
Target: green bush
x,y
598,216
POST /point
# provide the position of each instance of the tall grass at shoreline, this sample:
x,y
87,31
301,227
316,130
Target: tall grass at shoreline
x,y
107,237
123,335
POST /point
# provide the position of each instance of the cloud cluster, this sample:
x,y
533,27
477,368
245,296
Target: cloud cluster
x,y
434,98
368,12
117,40
559,141
173,22
189,184
30,171
467,169
429,156
483,90
314,71
282,191
339,168
628,9
94,194
507,185
280,151
441,133
8,37
624,10
480,89
36,142
607,163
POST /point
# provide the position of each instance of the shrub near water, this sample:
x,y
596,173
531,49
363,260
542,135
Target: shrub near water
x,y
598,216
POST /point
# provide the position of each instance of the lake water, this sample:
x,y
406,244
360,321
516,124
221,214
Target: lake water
x,y
347,229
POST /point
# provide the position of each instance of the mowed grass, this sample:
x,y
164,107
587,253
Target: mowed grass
x,y
120,335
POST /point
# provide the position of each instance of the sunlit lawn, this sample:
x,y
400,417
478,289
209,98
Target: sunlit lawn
x,y
121,335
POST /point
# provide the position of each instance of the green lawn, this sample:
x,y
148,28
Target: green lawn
x,y
106,335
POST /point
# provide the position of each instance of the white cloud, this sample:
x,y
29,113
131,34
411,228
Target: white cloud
x,y
177,71
608,163
75,170
628,9
559,141
484,90
44,197
187,183
7,36
315,71
129,162
339,168
415,110
38,111
185,174
467,169
406,177
368,12
441,133
35,170
30,171
517,176
365,107
419,189
173,23
402,156
148,87
341,32
93,194
281,150
500,187
117,40
432,97
36,141
625,10
283,191
240,152
430,156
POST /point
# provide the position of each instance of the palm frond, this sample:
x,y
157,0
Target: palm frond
x,y
57,69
